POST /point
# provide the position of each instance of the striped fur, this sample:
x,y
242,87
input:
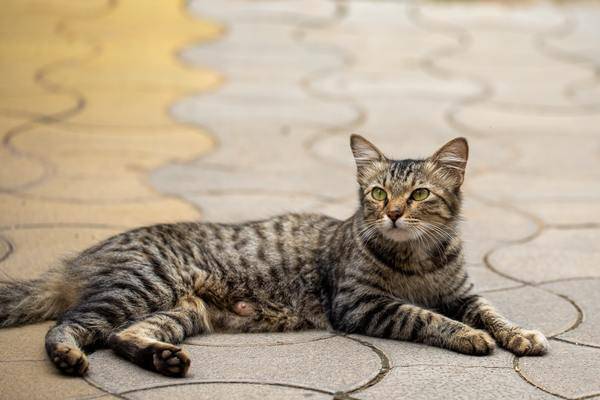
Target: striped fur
x,y
394,270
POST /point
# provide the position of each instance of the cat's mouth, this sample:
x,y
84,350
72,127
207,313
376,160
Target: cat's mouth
x,y
398,231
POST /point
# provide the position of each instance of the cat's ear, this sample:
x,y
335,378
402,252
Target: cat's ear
x,y
452,159
364,151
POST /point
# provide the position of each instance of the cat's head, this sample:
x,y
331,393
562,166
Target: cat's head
x,y
410,199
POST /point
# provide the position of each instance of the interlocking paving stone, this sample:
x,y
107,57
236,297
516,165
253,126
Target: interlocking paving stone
x,y
32,42
312,11
578,152
522,188
286,117
30,339
25,211
30,169
429,382
241,206
303,364
228,391
487,227
40,380
554,254
514,125
535,308
568,370
109,102
516,85
384,22
79,159
574,141
485,279
574,212
575,44
116,96
537,17
404,354
586,294
257,339
51,245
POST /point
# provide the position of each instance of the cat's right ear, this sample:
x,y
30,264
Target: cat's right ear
x,y
365,153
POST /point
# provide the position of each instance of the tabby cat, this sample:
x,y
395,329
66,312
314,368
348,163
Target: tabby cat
x,y
394,270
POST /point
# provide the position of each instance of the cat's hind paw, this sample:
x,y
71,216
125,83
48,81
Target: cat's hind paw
x,y
69,359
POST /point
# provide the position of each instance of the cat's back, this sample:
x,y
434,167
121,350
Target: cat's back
x,y
288,240
277,240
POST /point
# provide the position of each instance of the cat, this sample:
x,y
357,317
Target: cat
x,y
393,270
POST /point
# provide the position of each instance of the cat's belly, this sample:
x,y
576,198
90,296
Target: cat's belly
x,y
247,316
250,309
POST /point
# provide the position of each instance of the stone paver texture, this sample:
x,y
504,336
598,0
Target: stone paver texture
x,y
116,114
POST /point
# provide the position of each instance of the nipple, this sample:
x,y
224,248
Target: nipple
x,y
243,309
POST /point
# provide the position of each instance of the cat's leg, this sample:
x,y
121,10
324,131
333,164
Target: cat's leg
x,y
390,318
90,322
150,342
75,330
476,311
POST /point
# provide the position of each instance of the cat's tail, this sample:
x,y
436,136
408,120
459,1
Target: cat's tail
x,y
26,302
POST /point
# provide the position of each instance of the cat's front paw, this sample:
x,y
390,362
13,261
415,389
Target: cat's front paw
x,y
522,342
474,342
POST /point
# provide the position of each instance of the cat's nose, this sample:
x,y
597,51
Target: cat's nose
x,y
394,214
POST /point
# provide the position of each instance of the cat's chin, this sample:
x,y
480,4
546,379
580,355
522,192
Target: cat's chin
x,y
397,234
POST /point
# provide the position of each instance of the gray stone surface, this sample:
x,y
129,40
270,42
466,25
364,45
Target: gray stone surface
x,y
568,370
407,354
258,339
227,391
555,254
302,364
486,280
488,226
431,382
586,294
531,307
265,62
576,212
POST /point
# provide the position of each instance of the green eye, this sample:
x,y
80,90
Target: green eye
x,y
420,194
378,194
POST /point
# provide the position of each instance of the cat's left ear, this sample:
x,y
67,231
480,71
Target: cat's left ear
x,y
452,159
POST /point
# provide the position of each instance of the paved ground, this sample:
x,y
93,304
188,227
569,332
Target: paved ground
x,y
103,128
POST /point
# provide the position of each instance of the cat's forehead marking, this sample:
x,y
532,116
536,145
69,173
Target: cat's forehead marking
x,y
403,173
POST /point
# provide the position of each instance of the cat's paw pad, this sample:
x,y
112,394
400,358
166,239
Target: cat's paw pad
x,y
69,359
170,360
523,342
475,342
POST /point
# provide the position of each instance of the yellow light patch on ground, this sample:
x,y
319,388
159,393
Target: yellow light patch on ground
x,y
88,90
